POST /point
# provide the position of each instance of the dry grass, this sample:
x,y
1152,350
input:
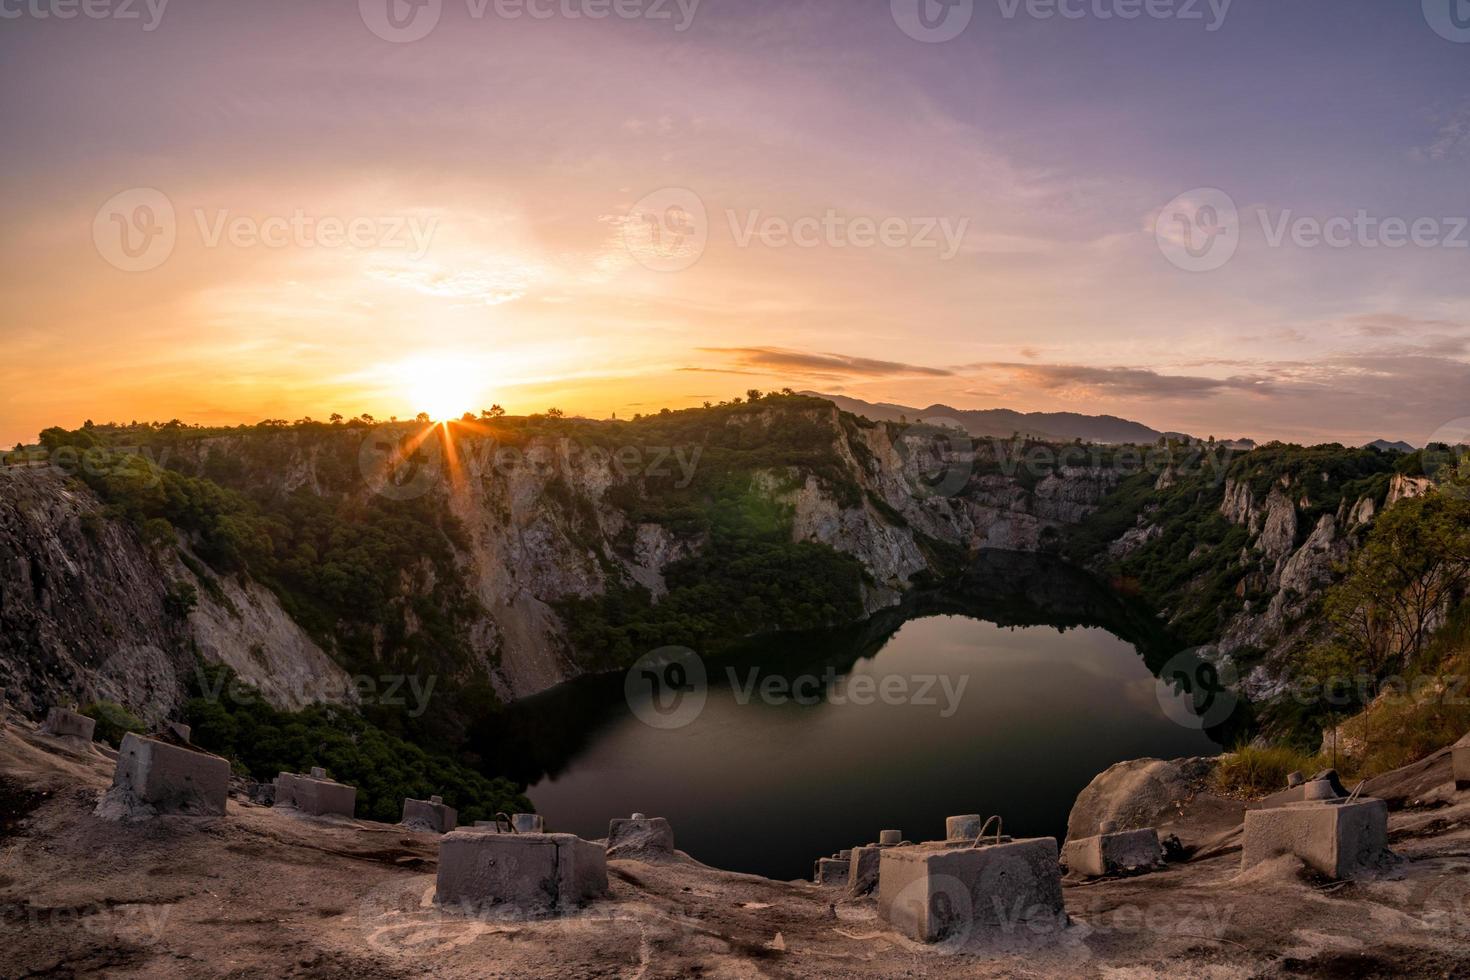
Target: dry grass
x,y
1251,772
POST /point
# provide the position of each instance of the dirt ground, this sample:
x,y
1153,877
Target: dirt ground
x,y
266,893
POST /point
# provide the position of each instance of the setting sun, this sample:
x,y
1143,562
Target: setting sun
x,y
441,385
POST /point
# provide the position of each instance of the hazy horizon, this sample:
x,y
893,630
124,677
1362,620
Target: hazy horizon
x,y
668,203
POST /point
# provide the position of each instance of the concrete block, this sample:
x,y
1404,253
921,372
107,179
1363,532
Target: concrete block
x,y
171,778
524,873
315,794
1460,762
179,730
640,837
1129,850
862,875
431,815
964,827
890,838
69,724
1338,839
832,872
528,823
933,892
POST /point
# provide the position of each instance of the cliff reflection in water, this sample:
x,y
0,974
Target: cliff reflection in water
x,y
1017,687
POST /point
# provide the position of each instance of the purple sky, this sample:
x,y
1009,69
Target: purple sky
x,y
1014,217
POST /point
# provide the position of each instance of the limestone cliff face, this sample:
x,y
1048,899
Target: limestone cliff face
x,y
88,612
1297,569
545,519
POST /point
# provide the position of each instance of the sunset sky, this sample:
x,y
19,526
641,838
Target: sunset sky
x,y
493,171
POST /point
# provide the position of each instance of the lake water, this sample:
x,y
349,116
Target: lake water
x,y
975,717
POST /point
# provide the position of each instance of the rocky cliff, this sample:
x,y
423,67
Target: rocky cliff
x,y
541,513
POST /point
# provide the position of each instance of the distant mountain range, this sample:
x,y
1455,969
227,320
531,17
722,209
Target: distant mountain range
x,y
1400,446
1003,422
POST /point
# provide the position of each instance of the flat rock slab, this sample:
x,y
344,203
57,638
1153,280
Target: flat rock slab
x,y
433,815
932,893
640,837
69,724
1339,840
171,778
524,873
318,797
1129,850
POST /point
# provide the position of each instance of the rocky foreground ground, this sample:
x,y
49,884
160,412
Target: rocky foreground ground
x,y
264,892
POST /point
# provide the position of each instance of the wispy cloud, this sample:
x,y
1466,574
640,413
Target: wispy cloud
x,y
1124,381
780,360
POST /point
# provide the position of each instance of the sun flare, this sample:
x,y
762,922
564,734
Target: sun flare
x,y
444,386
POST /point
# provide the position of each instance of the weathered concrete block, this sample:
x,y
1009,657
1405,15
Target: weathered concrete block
x,y
862,875
890,838
933,892
69,724
523,872
964,827
180,730
171,778
528,823
432,815
1460,762
315,795
1128,850
640,837
831,872
1338,839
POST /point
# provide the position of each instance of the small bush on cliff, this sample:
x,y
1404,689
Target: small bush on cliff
x,y
1251,771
